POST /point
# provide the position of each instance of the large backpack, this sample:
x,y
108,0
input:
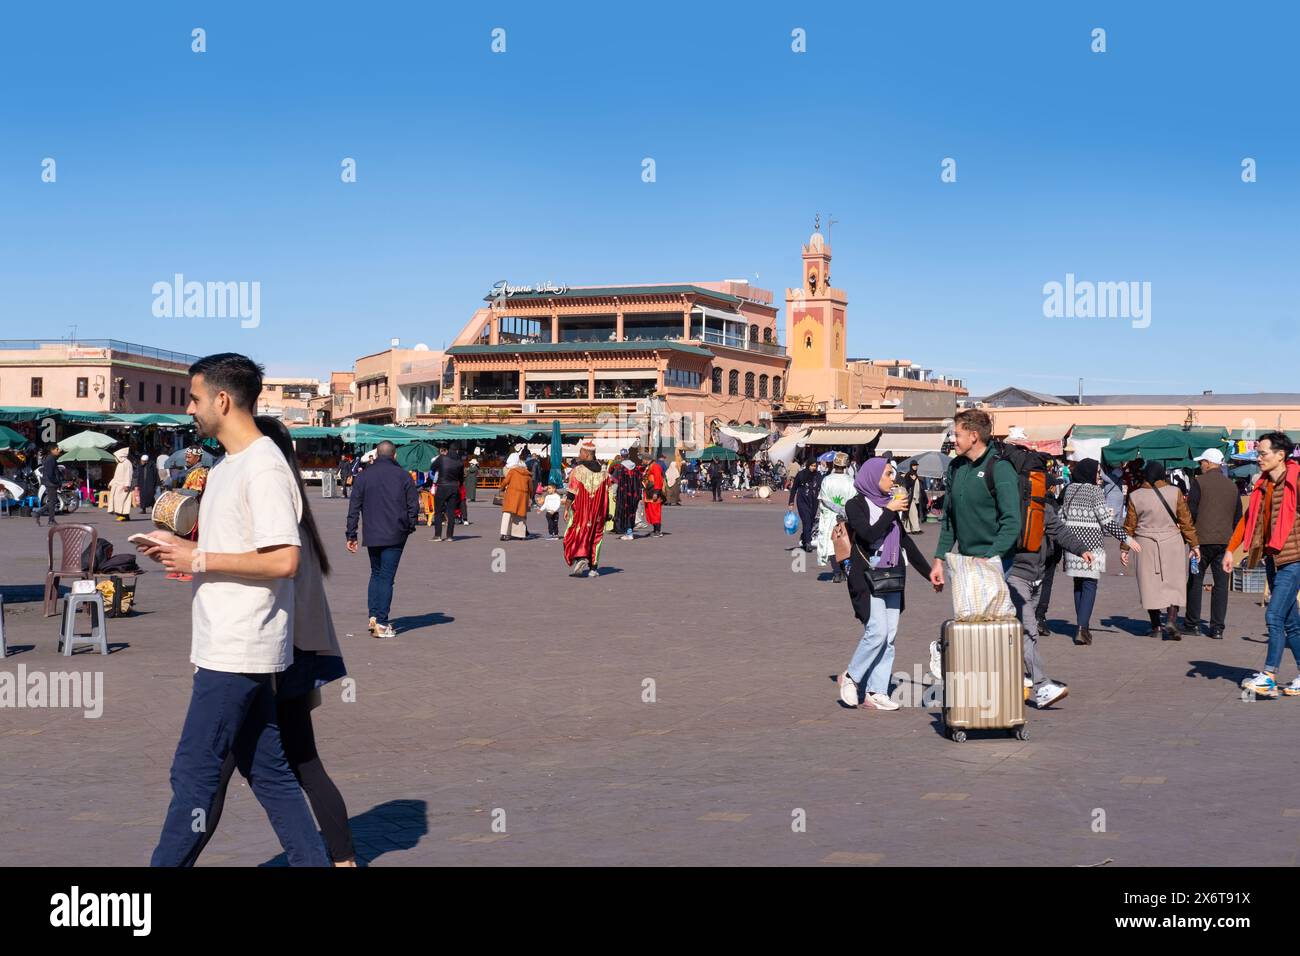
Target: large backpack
x,y
1031,472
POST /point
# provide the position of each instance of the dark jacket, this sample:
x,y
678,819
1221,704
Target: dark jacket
x,y
147,481
386,500
450,470
867,537
1031,565
49,472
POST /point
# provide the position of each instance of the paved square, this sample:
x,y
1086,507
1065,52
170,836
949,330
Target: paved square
x,y
518,696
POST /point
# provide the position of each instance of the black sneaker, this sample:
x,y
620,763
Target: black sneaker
x,y
1190,630
1216,634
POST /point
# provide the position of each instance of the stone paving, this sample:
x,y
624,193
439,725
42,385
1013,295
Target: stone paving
x,y
521,690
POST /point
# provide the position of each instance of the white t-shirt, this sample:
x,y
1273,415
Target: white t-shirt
x,y
242,625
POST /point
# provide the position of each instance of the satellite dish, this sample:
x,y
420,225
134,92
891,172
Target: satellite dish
x,y
394,342
421,347
322,389
352,387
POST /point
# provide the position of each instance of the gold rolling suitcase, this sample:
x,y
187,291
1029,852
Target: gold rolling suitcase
x,y
983,670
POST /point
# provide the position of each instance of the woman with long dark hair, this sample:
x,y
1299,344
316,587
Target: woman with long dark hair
x,y
317,660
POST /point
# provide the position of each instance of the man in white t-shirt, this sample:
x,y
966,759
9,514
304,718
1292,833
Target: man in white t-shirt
x,y
243,564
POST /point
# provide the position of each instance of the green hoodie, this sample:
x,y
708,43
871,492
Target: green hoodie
x,y
980,526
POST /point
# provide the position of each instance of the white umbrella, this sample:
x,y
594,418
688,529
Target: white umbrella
x,y
929,464
88,439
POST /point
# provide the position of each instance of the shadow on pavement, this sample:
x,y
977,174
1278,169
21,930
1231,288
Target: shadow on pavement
x,y
413,623
1212,670
395,825
1129,625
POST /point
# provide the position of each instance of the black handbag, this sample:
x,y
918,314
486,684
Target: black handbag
x,y
884,580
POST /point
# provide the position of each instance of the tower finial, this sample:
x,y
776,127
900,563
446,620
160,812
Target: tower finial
x,y
817,222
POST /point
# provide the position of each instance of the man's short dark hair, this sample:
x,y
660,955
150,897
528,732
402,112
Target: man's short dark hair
x,y
236,375
385,449
1279,441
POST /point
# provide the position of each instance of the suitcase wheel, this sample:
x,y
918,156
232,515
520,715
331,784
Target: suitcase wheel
x,y
958,735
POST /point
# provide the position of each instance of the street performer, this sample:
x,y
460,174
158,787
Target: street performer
x,y
586,510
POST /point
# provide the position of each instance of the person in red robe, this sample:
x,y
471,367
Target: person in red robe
x,y
654,497
586,510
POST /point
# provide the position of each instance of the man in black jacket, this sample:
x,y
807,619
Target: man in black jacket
x,y
386,500
1216,508
446,493
49,474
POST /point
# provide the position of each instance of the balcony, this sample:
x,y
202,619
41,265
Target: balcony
x,y
733,341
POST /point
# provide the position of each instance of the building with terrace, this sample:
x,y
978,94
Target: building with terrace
x,y
708,351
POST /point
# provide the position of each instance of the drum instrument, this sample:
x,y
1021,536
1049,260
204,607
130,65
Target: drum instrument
x,y
176,512
765,491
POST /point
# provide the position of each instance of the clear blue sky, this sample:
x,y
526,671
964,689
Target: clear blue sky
x,y
473,167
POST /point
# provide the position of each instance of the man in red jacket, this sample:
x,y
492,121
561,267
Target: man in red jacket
x,y
1270,531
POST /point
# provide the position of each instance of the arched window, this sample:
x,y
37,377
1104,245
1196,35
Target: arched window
x,y
717,381
762,386
733,383
776,386
807,341
749,384
767,336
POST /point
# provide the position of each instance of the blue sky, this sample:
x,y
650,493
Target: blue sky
x,y
475,166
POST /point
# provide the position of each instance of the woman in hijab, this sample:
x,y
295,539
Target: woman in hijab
x,y
516,494
1085,512
881,552
1158,518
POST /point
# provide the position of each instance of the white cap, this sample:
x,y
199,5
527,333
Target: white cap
x,y
1212,455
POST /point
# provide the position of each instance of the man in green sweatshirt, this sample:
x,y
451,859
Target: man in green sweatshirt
x,y
975,523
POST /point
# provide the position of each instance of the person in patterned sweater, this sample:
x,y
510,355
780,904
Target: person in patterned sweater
x,y
1087,515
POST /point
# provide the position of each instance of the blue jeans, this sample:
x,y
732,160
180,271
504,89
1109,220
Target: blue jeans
x,y
1085,596
874,658
234,712
1282,616
383,571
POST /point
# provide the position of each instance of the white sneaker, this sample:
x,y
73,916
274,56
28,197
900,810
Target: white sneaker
x,y
848,691
881,702
1049,694
936,661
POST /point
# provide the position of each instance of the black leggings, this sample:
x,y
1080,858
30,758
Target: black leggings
x,y
299,743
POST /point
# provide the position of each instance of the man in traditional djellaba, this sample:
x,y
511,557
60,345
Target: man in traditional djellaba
x,y
626,476
586,510
654,497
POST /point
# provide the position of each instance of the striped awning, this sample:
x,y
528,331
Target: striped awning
x,y
831,435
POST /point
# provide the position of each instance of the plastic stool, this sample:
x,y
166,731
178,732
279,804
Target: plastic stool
x,y
98,636
101,500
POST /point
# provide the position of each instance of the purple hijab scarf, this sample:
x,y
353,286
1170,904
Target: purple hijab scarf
x,y
867,483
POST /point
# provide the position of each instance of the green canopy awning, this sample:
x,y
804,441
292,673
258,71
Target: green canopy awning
x,y
1163,445
10,438
718,453
1093,432
417,456
25,413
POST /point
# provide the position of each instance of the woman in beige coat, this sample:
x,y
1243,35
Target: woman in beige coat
x,y
1159,519
119,489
